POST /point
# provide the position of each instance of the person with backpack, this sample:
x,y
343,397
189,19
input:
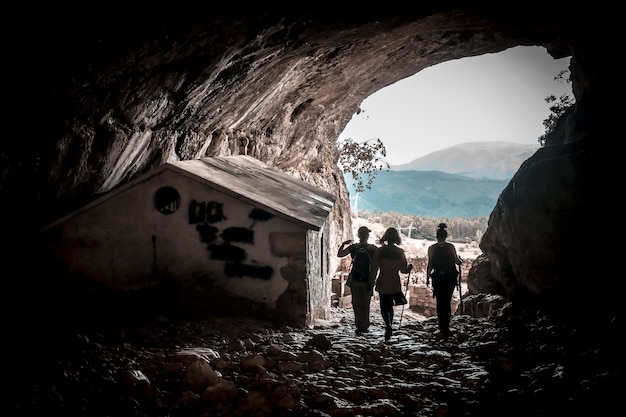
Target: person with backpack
x,y
361,254
388,262
441,267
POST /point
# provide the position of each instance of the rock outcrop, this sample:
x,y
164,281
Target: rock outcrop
x,y
102,97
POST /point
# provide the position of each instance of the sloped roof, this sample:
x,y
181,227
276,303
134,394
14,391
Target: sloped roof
x,y
259,184
249,180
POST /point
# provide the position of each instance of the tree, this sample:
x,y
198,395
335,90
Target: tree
x,y
359,158
560,106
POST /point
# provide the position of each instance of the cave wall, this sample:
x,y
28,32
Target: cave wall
x,y
99,98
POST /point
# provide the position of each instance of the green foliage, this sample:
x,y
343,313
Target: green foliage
x,y
460,229
557,109
362,158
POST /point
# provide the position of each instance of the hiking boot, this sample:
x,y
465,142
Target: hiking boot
x,y
388,333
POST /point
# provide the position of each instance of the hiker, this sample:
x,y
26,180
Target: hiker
x,y
388,262
361,254
442,262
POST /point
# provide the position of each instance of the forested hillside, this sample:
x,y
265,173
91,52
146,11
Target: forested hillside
x,y
460,229
428,193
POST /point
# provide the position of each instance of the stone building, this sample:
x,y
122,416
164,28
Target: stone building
x,y
234,225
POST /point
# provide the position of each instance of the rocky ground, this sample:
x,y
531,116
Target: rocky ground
x,y
508,365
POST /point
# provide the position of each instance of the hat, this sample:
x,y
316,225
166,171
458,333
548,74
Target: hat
x,y
363,231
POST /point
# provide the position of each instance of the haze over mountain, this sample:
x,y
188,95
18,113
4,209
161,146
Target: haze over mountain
x,y
464,180
478,160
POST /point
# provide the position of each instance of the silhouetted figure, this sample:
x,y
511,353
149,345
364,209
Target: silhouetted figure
x,y
442,262
360,287
388,262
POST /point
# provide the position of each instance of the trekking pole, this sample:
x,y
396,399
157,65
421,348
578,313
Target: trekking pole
x,y
460,291
408,275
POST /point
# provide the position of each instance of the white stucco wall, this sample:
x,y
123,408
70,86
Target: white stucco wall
x,y
124,242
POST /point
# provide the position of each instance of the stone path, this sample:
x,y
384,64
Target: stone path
x,y
228,366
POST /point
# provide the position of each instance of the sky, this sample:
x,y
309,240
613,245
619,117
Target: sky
x,y
492,97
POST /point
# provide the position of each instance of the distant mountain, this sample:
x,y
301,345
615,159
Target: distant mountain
x,y
478,160
428,193
464,180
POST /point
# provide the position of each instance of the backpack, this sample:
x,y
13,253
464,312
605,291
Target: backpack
x,y
443,261
361,262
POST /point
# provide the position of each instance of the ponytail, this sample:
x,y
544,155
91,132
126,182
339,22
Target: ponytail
x,y
442,233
